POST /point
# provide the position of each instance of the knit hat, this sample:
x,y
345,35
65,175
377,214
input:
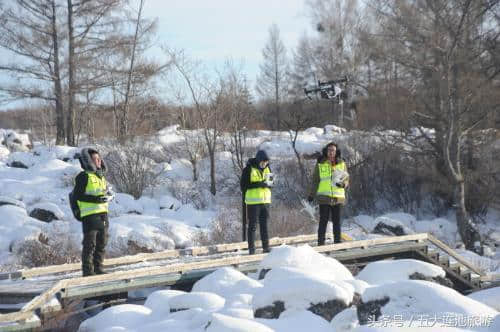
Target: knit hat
x,y
261,156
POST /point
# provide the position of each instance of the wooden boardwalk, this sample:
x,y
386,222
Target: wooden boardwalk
x,y
36,295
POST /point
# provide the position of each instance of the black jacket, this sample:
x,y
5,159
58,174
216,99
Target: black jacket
x,y
245,177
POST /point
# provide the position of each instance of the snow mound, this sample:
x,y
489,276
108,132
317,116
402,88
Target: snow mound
x,y
16,226
346,320
226,282
303,320
204,300
307,259
415,298
123,315
299,293
4,200
223,323
490,297
386,271
158,301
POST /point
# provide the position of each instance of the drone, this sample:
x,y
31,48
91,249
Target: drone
x,y
330,90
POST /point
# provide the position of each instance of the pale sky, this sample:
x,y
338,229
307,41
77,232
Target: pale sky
x,y
215,30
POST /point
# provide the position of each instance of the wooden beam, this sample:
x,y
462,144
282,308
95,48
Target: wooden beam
x,y
454,254
166,254
490,277
372,242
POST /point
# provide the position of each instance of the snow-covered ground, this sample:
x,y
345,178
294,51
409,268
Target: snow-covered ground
x,y
39,178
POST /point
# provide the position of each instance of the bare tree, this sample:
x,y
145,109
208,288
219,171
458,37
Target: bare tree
x,y
207,97
272,82
89,24
298,119
30,33
448,48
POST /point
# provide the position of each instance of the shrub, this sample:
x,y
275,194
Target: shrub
x,y
44,251
131,169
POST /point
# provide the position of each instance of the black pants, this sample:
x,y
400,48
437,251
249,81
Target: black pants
x,y
325,211
95,238
260,212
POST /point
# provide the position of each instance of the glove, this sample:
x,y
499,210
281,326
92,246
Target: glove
x,y
310,198
263,184
340,184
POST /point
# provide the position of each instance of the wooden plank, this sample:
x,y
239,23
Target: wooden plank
x,y
455,273
454,254
114,286
166,254
385,250
490,277
372,242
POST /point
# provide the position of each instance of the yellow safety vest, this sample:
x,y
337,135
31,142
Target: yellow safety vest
x,y
258,195
96,186
326,187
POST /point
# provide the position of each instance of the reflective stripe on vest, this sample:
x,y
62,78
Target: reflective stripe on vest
x,y
258,195
326,187
96,186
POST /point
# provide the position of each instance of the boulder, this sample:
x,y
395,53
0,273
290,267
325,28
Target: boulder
x,y
17,164
43,215
390,229
271,311
371,310
438,279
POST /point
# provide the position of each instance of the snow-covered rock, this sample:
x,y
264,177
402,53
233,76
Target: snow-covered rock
x,y
158,301
15,141
307,259
203,300
409,299
223,323
391,226
46,212
301,293
226,282
124,315
387,271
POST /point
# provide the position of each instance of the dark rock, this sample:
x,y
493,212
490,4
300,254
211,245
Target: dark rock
x,y
17,164
438,280
356,300
270,311
262,273
385,229
327,309
43,215
178,309
370,311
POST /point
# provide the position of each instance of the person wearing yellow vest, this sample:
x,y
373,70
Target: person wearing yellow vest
x,y
256,182
91,195
330,180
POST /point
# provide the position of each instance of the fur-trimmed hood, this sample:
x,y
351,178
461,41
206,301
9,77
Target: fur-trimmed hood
x,y
87,163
